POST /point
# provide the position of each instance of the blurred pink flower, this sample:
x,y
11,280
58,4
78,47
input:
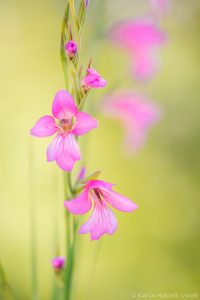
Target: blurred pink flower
x,y
71,48
93,80
71,123
140,38
58,263
136,115
99,194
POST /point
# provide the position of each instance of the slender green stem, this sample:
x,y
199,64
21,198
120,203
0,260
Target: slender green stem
x,y
70,67
71,240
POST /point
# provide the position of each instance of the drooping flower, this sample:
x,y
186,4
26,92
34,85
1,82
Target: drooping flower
x,y
140,38
135,114
58,263
99,195
71,123
71,48
93,79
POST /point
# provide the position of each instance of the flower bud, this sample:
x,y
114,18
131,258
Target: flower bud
x,y
93,79
71,48
58,263
86,3
81,174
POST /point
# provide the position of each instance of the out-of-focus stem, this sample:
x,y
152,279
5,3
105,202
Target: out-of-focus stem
x,y
73,12
33,237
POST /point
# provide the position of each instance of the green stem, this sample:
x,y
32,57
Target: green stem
x,y
70,67
71,240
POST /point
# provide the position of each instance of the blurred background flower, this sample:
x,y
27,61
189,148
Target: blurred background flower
x,y
136,114
141,38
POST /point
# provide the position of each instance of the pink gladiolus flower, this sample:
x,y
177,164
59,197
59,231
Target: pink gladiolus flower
x,y
71,48
140,38
71,123
93,80
58,263
135,114
99,194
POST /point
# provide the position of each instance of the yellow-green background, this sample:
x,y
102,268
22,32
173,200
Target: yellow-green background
x,y
156,249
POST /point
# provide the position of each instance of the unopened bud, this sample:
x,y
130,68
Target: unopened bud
x,y
58,263
71,48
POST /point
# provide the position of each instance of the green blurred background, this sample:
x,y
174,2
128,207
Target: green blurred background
x,y
156,249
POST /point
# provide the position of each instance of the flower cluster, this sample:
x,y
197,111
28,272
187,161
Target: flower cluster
x,y
68,122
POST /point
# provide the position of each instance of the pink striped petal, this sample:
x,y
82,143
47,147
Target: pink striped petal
x,y
55,148
62,157
84,123
101,221
63,106
72,147
45,126
80,205
118,201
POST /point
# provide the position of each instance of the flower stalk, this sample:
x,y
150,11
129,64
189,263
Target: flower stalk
x,y
68,122
73,64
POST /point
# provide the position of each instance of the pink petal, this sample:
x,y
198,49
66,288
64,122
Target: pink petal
x,y
72,147
80,205
101,221
99,184
118,201
135,113
134,138
92,71
84,123
63,106
144,65
55,148
65,162
45,126
138,34
63,159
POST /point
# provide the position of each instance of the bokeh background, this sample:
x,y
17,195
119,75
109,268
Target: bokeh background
x,y
156,249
